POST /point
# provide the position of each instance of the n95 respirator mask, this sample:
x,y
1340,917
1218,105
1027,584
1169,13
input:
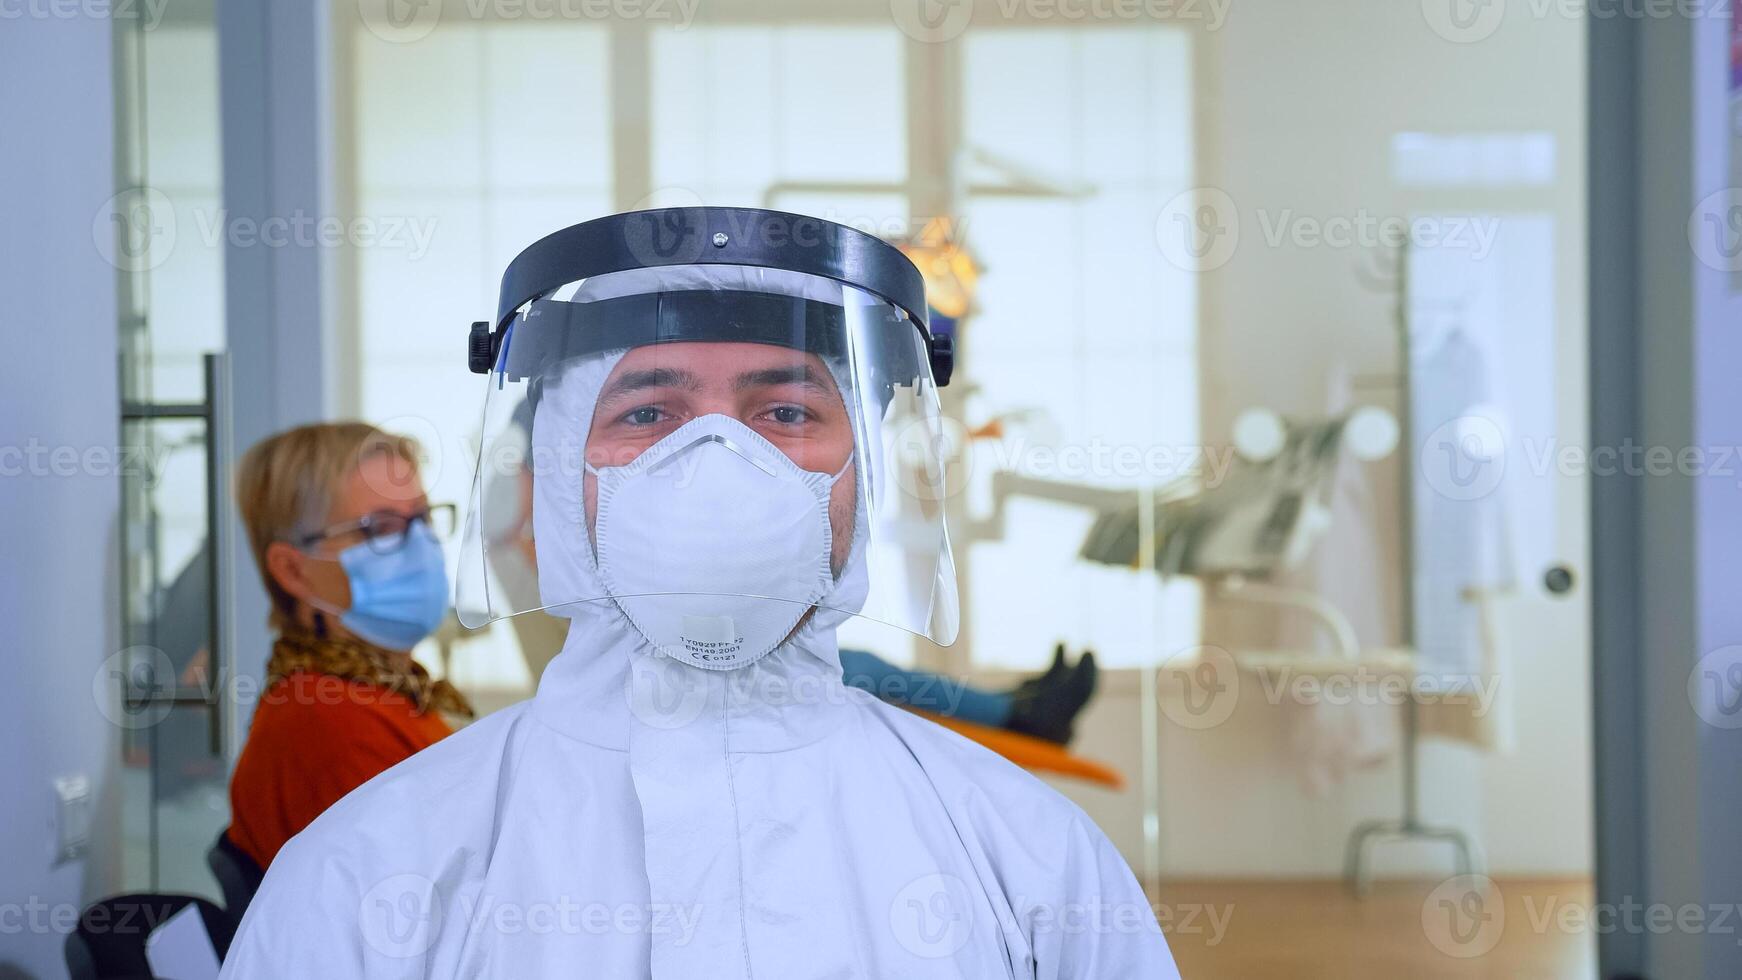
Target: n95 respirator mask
x,y
713,542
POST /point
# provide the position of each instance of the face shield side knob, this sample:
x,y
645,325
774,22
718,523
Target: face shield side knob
x,y
481,348
943,358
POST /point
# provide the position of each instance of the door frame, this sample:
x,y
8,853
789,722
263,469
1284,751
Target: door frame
x,y
1662,358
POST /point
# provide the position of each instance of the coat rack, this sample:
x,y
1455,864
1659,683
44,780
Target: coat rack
x,y
1409,825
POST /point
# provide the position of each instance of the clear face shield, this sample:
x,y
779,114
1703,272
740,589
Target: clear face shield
x,y
722,451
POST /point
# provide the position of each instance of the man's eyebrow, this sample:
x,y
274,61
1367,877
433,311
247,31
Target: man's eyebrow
x,y
651,378
796,374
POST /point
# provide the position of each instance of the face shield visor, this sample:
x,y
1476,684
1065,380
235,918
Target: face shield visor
x,y
719,449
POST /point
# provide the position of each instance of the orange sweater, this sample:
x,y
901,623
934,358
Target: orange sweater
x,y
314,738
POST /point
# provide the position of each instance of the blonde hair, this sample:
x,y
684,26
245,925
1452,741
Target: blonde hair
x,y
286,483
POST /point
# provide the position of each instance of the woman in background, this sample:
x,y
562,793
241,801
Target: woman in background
x,y
348,548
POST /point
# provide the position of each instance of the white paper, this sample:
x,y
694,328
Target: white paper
x,y
181,949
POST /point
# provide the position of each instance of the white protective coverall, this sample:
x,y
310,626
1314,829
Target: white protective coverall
x,y
640,817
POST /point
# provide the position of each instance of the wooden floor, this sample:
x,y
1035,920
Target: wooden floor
x,y
1306,930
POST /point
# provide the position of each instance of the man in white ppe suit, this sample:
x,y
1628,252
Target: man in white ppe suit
x,y
734,449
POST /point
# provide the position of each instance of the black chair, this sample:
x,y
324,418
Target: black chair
x,y
109,943
238,876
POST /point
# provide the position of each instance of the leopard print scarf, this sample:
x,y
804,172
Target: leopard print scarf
x,y
354,660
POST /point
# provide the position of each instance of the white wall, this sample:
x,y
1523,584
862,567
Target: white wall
x,y
58,549
1298,104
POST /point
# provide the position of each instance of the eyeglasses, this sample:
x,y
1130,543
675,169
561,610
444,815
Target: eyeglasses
x,y
385,530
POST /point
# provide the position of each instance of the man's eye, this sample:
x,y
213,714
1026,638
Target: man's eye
x,y
646,415
788,414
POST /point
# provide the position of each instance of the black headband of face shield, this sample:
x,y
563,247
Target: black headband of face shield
x,y
552,331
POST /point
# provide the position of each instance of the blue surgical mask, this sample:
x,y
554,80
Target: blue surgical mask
x,y
400,597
